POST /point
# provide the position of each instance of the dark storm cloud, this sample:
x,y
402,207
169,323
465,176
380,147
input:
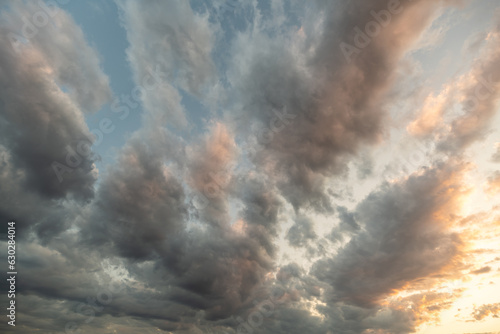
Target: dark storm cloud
x,y
404,237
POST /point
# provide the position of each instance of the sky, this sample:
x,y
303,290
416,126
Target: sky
x,y
257,166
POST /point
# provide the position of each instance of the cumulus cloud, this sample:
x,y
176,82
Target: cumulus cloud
x,y
316,105
482,270
493,183
477,95
143,199
301,232
432,113
496,155
170,37
486,310
389,251
50,80
211,173
190,222
209,268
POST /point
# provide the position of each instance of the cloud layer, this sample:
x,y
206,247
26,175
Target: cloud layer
x,y
264,206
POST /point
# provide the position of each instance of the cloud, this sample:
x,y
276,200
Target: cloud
x,y
493,183
301,232
139,203
203,269
404,237
426,307
170,36
476,93
314,107
486,310
210,173
431,115
191,222
482,270
59,50
348,225
50,80
496,155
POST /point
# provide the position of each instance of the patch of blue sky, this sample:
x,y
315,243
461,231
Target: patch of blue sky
x,y
101,25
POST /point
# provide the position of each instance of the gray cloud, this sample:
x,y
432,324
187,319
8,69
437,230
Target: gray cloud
x,y
301,232
494,183
334,105
401,239
191,267
482,270
476,95
170,36
49,81
496,155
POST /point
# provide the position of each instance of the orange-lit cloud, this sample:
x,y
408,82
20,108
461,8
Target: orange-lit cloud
x,y
477,94
486,310
493,187
430,118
